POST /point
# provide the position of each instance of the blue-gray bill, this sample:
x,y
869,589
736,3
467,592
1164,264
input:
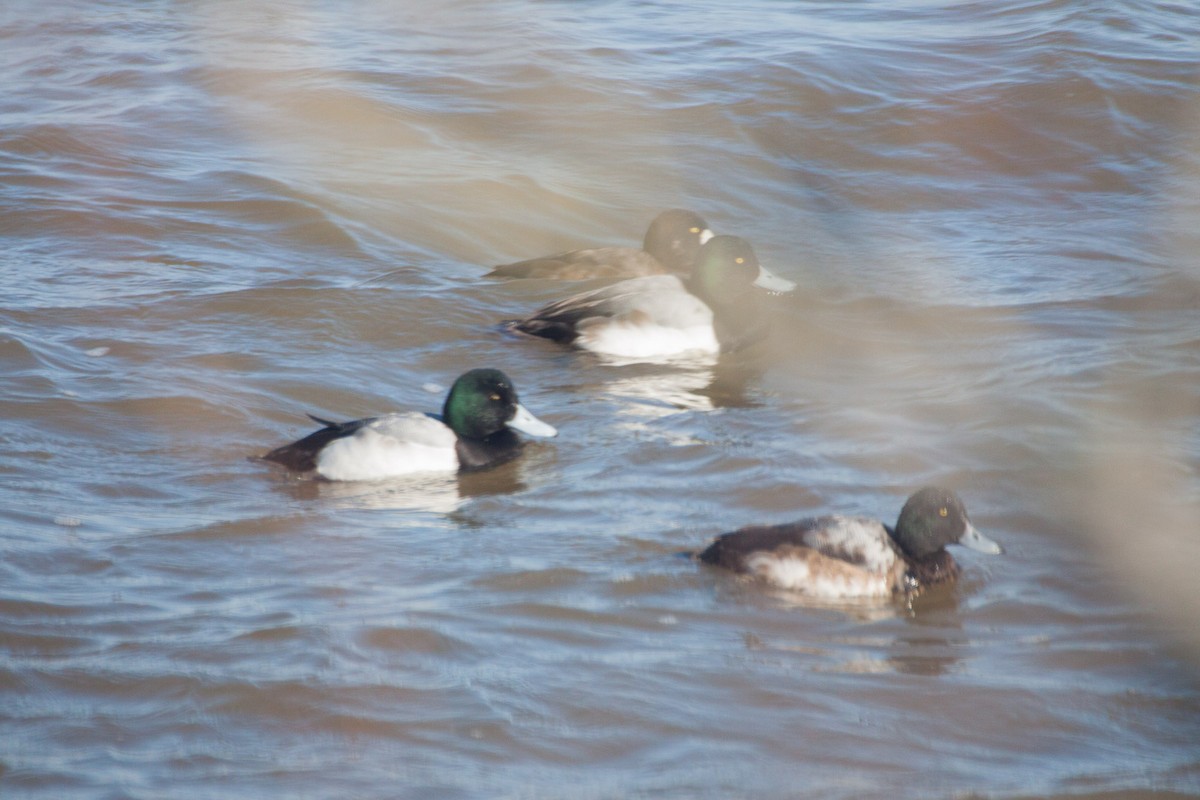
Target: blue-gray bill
x,y
771,282
527,423
975,540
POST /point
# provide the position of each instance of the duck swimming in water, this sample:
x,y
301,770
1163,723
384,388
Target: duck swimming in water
x,y
670,246
846,558
475,431
714,310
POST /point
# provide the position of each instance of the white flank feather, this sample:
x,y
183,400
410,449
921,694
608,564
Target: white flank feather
x,y
395,444
649,317
640,338
859,539
804,576
846,558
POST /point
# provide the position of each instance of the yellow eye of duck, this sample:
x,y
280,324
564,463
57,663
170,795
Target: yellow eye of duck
x,y
739,260
942,511
694,229
496,397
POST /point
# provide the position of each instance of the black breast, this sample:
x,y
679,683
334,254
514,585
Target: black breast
x,y
740,323
937,568
476,454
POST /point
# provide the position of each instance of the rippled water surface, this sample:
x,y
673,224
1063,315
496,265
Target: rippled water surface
x,y
218,216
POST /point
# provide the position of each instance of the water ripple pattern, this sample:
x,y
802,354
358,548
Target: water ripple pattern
x,y
218,217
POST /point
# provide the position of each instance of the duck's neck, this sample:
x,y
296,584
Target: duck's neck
x,y
932,570
738,322
928,570
504,445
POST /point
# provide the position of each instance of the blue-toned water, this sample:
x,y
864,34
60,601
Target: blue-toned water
x,y
218,216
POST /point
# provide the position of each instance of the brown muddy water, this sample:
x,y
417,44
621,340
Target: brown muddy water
x,y
218,216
